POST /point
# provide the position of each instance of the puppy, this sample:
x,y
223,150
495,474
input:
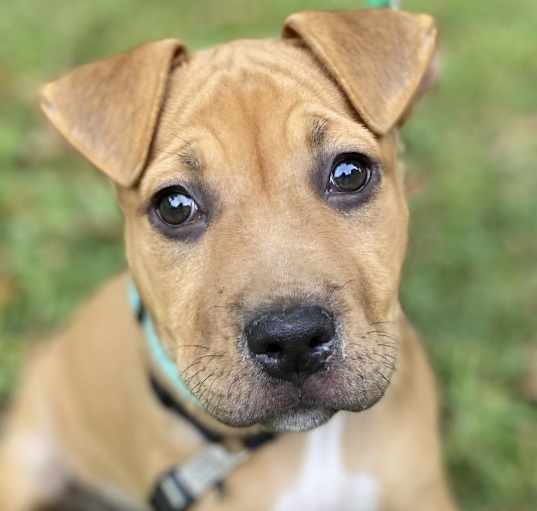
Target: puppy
x,y
264,361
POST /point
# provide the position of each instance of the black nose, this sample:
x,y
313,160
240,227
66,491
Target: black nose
x,y
292,343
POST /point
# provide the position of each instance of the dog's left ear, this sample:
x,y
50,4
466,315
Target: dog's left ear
x,y
379,58
109,109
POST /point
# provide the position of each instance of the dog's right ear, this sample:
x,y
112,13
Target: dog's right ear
x,y
108,110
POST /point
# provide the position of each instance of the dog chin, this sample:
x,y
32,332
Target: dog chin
x,y
298,420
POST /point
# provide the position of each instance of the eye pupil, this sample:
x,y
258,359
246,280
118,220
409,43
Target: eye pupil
x,y
176,208
351,173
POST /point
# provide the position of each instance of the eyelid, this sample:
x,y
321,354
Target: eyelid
x,y
169,190
332,151
340,157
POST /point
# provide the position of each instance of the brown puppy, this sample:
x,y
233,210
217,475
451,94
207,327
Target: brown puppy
x,y
266,226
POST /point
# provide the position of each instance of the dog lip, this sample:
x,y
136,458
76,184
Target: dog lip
x,y
281,398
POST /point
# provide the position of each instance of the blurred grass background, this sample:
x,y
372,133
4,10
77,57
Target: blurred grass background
x,y
470,282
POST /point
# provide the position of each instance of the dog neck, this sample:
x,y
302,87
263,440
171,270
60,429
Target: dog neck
x,y
180,486
156,352
172,393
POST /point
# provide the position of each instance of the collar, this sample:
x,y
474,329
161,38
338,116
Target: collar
x,y
156,351
182,485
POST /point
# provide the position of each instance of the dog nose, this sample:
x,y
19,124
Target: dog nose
x,y
293,343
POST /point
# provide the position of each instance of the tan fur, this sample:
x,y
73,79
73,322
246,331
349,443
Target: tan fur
x,y
242,119
111,113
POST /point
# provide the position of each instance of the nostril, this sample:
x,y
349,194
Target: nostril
x,y
317,341
273,348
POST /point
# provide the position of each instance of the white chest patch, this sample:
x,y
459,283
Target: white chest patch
x,y
324,484
36,457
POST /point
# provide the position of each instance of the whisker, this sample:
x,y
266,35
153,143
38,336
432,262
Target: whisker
x,y
388,336
210,387
187,380
388,366
379,333
391,355
382,345
197,360
217,406
383,376
386,357
192,346
205,389
186,369
387,322
219,354
201,382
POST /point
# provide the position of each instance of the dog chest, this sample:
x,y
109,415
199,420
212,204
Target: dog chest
x,y
323,482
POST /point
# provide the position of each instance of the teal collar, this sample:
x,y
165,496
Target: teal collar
x,y
159,357
181,486
394,4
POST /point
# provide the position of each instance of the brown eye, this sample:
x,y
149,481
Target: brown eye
x,y
350,173
175,207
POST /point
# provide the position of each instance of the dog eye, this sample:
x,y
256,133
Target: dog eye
x,y
175,207
351,172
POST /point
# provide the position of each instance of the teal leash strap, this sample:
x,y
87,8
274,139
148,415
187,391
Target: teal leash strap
x,y
384,4
156,351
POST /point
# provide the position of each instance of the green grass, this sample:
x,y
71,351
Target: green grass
x,y
470,282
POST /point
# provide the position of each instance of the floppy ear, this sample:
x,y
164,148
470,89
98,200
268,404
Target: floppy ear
x,y
378,57
108,110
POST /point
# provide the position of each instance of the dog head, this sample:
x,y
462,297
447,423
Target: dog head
x,y
266,222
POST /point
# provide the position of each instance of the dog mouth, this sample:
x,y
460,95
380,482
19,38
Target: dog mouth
x,y
293,380
297,405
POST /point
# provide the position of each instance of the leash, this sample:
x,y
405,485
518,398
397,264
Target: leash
x,y
382,4
183,485
179,487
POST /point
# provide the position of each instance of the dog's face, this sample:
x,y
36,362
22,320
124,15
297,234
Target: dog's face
x,y
266,200
267,228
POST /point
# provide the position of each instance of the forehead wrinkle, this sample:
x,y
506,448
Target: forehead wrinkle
x,y
190,86
246,93
269,125
273,68
200,78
